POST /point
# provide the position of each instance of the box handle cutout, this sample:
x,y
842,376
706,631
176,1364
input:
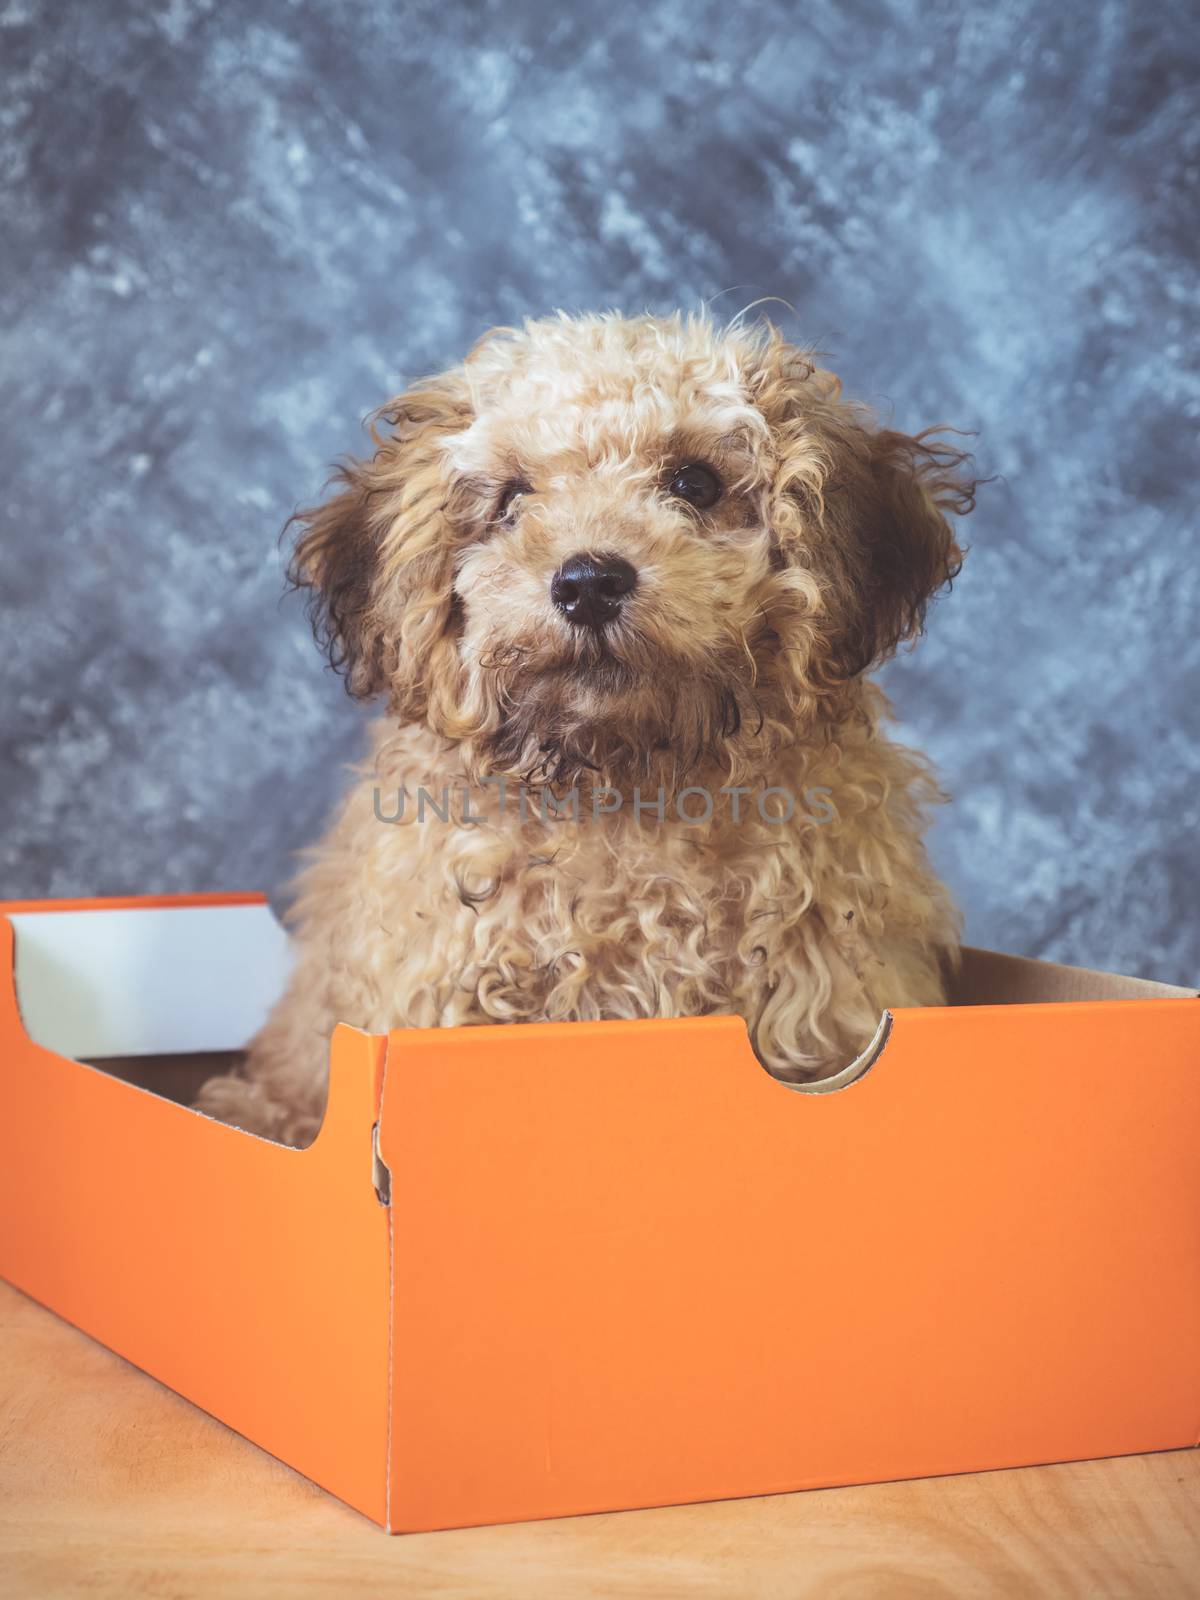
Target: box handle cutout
x,y
857,1069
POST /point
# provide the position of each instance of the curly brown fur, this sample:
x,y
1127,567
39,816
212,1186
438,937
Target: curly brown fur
x,y
738,660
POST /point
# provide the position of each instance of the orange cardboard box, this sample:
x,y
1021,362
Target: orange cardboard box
x,y
534,1270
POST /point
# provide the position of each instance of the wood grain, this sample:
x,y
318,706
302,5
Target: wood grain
x,y
111,1485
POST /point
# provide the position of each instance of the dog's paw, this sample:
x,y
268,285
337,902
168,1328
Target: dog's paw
x,y
246,1105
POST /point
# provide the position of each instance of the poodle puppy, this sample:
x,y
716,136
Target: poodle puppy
x,y
618,583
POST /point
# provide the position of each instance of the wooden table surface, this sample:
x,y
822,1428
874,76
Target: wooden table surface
x,y
112,1485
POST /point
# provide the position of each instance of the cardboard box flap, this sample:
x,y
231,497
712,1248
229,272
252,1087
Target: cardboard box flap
x,y
159,980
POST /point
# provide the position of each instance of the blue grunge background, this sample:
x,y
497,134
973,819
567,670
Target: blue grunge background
x,y
226,232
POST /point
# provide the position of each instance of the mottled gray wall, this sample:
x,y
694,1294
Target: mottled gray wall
x,y
227,231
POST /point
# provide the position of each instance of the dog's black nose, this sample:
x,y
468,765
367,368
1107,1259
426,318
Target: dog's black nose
x,y
589,590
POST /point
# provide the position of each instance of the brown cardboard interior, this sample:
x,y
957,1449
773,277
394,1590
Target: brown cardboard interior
x,y
988,978
175,1077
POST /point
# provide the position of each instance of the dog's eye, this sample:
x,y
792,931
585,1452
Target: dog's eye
x,y
507,504
696,483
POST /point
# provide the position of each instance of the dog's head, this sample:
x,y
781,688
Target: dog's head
x,y
607,544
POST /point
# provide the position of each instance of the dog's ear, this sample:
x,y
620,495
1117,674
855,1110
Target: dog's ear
x,y
376,558
862,509
887,500
336,558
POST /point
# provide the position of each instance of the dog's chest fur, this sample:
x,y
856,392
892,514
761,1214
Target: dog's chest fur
x,y
806,929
